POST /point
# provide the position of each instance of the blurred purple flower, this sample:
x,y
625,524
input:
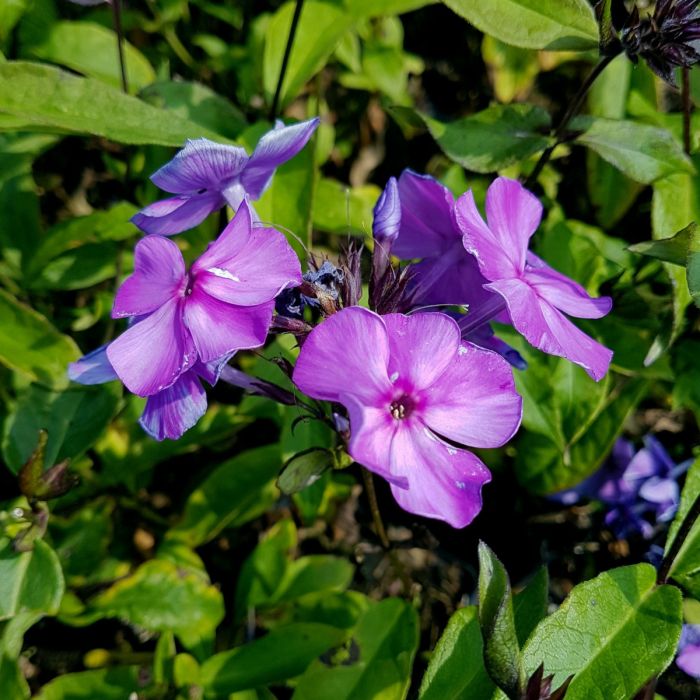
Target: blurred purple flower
x,y
168,413
90,2
204,176
688,658
639,489
410,385
534,295
223,304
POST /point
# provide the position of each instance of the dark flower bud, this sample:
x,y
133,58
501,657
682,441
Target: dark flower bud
x,y
351,289
387,216
539,687
37,484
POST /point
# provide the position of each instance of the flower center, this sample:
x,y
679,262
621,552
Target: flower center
x,y
402,407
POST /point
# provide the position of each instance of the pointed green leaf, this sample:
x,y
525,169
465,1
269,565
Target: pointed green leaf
x,y
115,683
530,605
304,469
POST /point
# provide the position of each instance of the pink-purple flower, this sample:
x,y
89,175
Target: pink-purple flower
x,y
536,297
688,659
412,389
204,176
223,304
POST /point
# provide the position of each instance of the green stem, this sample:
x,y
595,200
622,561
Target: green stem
x,y
683,531
570,113
285,58
117,18
687,107
374,506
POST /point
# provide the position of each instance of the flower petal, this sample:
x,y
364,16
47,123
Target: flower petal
x,y
177,214
153,353
346,355
210,371
484,337
421,347
93,368
387,215
562,292
159,273
171,412
474,401
219,328
201,164
258,273
428,225
689,661
547,329
276,147
443,482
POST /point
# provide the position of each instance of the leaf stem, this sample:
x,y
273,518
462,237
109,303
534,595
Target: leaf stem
x,y
570,113
374,506
117,18
685,92
285,58
683,531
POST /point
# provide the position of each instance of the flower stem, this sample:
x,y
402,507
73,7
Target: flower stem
x,y
685,92
285,59
683,531
570,113
117,18
374,506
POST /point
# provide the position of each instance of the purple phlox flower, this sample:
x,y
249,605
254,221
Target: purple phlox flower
x,y
204,176
410,385
385,230
665,40
534,295
326,280
688,658
447,274
168,413
223,304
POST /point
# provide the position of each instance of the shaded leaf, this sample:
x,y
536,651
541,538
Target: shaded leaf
x,y
304,469
530,605
115,683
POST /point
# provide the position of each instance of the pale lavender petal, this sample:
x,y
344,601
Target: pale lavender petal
x,y
153,353
258,273
443,482
177,214
642,466
159,274
201,164
372,430
171,412
387,215
495,262
219,328
347,354
229,243
276,147
93,368
474,401
513,215
562,292
662,491
421,348
484,337
664,462
428,227
689,661
690,636
547,329
210,371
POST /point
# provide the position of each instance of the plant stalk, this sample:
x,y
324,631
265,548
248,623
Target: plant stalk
x,y
570,113
117,19
285,59
374,506
683,531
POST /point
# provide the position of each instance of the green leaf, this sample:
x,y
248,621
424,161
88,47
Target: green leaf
x,y
304,469
493,139
673,250
29,581
456,670
197,103
91,49
530,605
376,663
613,633
237,491
74,420
365,9
501,648
533,24
163,597
49,98
644,153
313,574
320,29
282,654
116,683
11,12
344,210
686,566
31,345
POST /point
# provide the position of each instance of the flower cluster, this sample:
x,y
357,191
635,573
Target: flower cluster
x,y
638,489
411,382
